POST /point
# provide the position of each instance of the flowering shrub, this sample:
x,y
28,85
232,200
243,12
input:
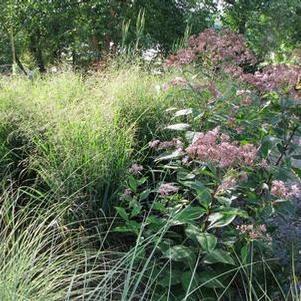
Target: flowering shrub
x,y
280,190
280,78
218,47
227,171
227,52
216,147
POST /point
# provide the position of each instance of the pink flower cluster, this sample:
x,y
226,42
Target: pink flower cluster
x,y
218,46
234,70
127,193
136,169
254,232
228,51
281,190
160,145
182,57
275,78
168,189
227,184
216,147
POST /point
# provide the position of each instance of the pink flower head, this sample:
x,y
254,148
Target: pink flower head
x,y
278,78
295,191
154,144
279,189
127,193
220,47
186,161
216,147
136,169
264,164
253,232
248,152
227,184
168,189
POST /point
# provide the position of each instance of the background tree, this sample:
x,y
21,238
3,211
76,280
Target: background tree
x,y
47,32
84,30
269,25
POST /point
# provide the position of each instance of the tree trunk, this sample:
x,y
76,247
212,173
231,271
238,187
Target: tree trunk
x,y
13,50
35,49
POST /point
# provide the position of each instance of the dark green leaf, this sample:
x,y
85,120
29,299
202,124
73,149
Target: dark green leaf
x,y
189,214
192,231
210,279
144,195
136,210
133,183
268,142
172,278
179,253
244,253
204,197
207,241
122,213
219,256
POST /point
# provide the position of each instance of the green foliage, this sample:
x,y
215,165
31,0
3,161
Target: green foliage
x,y
193,223
269,26
213,208
81,32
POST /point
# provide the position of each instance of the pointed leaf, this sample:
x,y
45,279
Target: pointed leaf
x,y
183,112
169,156
122,213
207,241
179,253
189,214
220,219
178,127
219,256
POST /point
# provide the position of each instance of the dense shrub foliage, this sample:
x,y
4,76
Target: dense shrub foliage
x,y
226,174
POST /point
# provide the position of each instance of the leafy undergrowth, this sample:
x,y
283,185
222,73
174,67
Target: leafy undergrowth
x,y
200,163
223,181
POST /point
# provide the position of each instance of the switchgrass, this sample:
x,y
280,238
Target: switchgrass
x,y
77,134
40,259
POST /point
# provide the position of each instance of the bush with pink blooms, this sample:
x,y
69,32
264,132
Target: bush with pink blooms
x,y
219,173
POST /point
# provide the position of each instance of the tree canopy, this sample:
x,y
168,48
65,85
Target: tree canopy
x,y
45,32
